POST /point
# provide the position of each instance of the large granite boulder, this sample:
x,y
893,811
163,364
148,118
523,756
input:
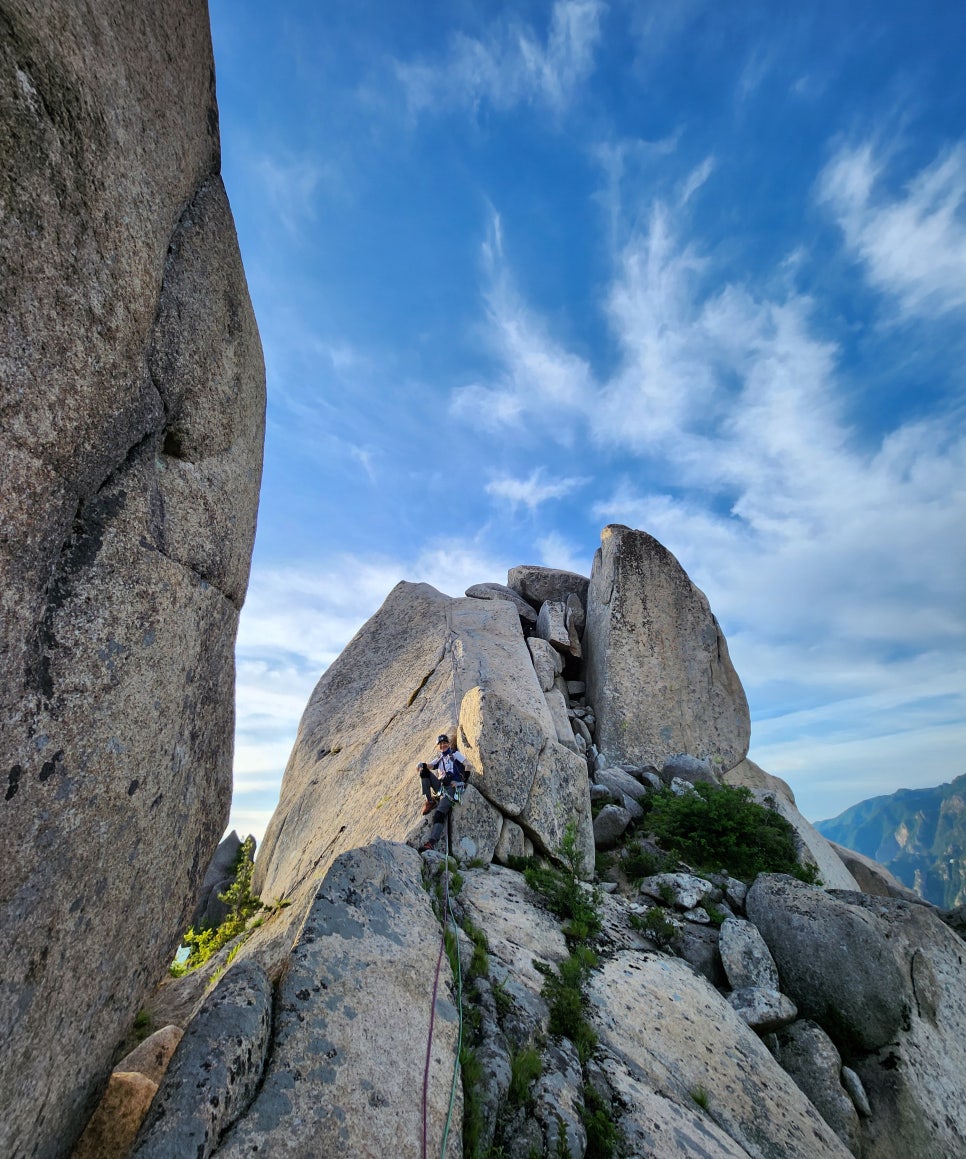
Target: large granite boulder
x,y
502,592
133,400
835,961
914,1082
668,1031
539,584
353,1035
377,711
656,662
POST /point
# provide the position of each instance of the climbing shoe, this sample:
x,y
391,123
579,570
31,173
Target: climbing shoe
x,y
427,847
429,807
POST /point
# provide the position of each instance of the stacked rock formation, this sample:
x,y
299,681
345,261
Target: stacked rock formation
x,y
133,404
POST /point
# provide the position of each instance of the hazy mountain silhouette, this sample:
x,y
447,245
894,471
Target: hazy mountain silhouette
x,y
918,834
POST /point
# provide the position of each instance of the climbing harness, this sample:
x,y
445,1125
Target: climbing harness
x,y
432,1018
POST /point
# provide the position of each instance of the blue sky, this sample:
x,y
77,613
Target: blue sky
x,y
523,270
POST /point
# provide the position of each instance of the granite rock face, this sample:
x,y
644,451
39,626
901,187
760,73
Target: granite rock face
x,y
424,664
215,1070
351,1032
656,663
133,398
835,961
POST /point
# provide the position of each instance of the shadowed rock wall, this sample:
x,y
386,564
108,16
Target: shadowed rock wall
x,y
132,414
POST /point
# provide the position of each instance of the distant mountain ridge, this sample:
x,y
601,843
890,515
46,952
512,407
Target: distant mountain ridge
x,y
918,834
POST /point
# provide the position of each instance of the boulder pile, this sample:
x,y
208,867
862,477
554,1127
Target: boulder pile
x,y
611,999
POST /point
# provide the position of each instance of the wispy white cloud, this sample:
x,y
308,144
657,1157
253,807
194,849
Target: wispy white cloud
x,y
556,551
541,377
696,178
836,565
911,243
511,64
290,186
533,490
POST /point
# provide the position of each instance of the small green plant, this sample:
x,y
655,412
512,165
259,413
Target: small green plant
x,y
602,1133
563,990
656,926
639,862
666,890
723,827
701,1097
480,961
525,1068
564,893
143,1025
242,906
716,915
473,1115
504,1003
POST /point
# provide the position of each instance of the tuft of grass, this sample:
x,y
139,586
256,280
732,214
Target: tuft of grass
x,y
602,1133
716,915
480,961
525,1068
667,893
563,989
504,1003
564,893
472,1074
701,1097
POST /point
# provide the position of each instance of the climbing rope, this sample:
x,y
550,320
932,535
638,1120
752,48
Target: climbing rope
x,y
453,646
432,1018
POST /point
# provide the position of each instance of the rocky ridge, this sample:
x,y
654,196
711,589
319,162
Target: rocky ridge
x,y
667,1012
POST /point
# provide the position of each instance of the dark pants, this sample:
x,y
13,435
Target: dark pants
x,y
430,782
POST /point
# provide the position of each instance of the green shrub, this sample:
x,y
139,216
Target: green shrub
x,y
638,862
242,906
564,893
701,1097
723,827
657,927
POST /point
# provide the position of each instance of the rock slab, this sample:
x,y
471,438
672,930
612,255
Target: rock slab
x,y
215,1070
353,1021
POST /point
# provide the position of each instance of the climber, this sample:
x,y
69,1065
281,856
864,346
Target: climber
x,y
442,792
